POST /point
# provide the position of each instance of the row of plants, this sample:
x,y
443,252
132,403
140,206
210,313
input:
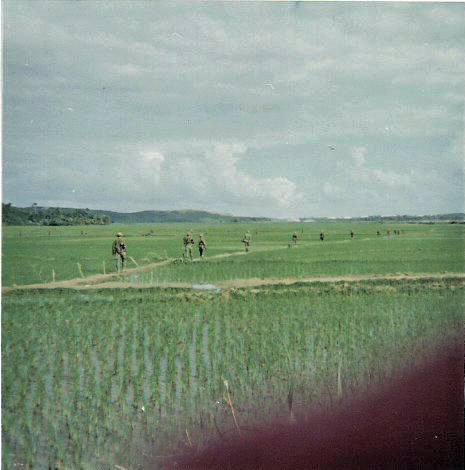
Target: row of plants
x,y
104,378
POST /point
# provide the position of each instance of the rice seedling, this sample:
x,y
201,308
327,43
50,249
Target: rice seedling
x,y
420,248
89,379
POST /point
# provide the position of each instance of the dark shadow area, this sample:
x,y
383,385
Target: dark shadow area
x,y
414,421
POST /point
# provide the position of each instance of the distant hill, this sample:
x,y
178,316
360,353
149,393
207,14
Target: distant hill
x,y
37,215
452,217
160,217
50,216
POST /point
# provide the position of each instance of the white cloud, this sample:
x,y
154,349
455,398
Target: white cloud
x,y
209,178
372,176
358,154
332,190
216,176
152,157
376,176
238,186
126,70
173,102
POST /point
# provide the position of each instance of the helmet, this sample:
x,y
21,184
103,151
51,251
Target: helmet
x,y
119,234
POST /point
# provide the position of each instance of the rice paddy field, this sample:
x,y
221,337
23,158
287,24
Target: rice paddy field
x,y
107,374
40,254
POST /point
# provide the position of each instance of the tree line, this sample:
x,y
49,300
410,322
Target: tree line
x,y
50,216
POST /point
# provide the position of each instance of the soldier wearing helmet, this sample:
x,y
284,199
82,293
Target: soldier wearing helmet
x,y
119,250
188,243
202,245
247,240
294,238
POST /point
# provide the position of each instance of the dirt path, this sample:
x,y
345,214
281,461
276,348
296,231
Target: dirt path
x,y
114,280
102,278
96,279
253,282
242,283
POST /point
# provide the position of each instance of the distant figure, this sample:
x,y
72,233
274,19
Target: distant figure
x,y
247,240
202,246
119,250
388,232
377,233
351,234
322,236
188,243
294,238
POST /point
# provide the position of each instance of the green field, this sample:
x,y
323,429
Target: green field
x,y
31,255
100,377
90,379
340,257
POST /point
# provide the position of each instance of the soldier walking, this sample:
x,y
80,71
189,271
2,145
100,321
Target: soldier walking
x,y
188,243
247,240
202,246
351,234
119,250
322,236
294,238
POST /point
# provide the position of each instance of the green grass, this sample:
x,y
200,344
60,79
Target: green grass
x,y
77,367
342,257
31,255
95,378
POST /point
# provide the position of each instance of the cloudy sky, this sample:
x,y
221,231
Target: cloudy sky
x,y
276,109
